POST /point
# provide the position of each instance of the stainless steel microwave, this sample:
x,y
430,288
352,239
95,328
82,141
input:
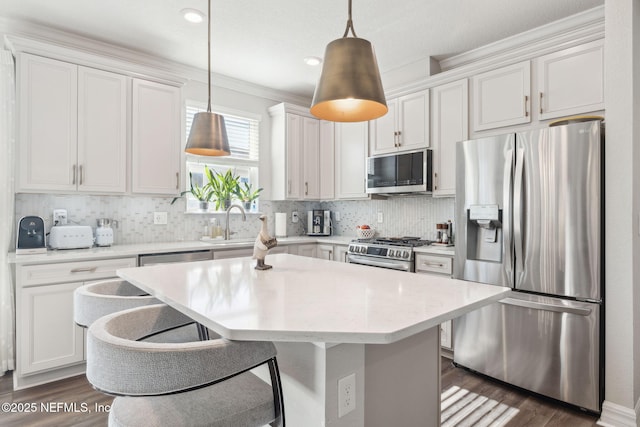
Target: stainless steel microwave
x,y
406,172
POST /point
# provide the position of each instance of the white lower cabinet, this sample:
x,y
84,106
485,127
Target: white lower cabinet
x,y
325,252
307,250
340,253
441,265
49,345
237,253
331,252
48,337
233,253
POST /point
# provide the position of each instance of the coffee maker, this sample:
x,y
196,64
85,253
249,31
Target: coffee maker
x,y
319,223
30,239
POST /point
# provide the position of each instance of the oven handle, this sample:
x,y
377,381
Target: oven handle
x,y
357,259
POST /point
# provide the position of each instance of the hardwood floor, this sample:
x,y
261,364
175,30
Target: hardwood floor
x,y
473,400
64,403
467,400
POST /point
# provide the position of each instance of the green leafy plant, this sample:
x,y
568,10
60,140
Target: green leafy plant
x,y
246,193
201,193
223,186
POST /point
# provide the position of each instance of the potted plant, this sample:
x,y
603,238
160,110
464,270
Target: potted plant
x,y
202,193
223,186
247,194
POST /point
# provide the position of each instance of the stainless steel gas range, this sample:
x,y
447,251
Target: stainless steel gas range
x,y
395,253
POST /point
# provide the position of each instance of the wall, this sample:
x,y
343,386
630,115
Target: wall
x,y
403,216
622,199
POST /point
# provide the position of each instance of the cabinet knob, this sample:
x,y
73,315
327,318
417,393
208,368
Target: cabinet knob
x,y
526,106
75,174
540,102
81,175
177,180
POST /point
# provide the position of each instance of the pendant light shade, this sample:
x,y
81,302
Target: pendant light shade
x,y
208,134
350,88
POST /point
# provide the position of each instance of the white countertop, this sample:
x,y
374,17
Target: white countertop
x,y
310,300
120,251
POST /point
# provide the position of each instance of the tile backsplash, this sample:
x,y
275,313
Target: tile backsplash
x,y
402,216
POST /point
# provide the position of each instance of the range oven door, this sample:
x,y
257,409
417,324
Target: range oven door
x,y
548,345
380,262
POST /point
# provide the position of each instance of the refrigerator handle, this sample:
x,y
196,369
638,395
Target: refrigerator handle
x,y
517,213
507,230
547,307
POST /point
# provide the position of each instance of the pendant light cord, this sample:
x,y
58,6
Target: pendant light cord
x,y
209,57
349,24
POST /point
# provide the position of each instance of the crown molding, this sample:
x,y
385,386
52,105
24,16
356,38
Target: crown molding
x,y
558,35
21,36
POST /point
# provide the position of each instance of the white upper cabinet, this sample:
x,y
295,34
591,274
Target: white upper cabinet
x,y
327,163
502,97
72,127
102,131
351,157
47,95
450,124
311,158
571,81
404,127
156,124
301,154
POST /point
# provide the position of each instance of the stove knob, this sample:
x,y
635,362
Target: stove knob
x,y
390,253
363,249
405,254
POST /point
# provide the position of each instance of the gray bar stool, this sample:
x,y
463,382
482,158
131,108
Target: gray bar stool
x,y
97,299
197,383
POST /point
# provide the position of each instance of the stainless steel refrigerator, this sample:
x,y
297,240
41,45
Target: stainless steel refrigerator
x,y
529,216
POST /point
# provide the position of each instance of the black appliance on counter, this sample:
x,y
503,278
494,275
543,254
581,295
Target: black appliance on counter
x,y
31,236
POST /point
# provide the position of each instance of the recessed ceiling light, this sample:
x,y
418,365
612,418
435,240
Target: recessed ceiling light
x,y
312,60
192,15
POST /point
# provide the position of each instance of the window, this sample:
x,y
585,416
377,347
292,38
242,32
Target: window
x,y
243,133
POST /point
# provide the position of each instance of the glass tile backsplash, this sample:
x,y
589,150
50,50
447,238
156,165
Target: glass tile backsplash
x,y
402,216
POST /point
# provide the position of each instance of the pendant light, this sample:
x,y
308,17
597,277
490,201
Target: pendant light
x,y
350,88
208,134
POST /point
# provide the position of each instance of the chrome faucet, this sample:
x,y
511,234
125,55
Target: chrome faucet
x,y
227,231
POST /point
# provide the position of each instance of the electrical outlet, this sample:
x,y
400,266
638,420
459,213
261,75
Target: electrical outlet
x,y
380,217
294,217
59,216
337,216
160,218
346,395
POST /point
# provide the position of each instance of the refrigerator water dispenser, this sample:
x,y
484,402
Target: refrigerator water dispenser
x,y
484,233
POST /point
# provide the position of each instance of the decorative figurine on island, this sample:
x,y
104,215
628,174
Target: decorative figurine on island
x,y
263,243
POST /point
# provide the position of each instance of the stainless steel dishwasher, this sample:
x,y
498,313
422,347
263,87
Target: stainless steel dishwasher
x,y
171,257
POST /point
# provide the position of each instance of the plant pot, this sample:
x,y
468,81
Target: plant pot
x,y
204,205
247,205
227,204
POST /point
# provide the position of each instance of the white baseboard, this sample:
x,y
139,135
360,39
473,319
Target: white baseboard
x,y
614,415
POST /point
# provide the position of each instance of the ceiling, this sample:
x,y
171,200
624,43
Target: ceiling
x,y
264,41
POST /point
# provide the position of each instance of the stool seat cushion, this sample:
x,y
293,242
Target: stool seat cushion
x,y
98,299
242,401
120,362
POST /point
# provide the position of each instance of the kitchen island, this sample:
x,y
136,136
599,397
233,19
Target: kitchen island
x,y
329,320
